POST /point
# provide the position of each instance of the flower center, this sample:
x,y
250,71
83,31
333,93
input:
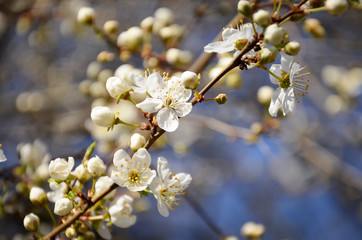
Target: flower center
x,y
240,44
284,82
134,176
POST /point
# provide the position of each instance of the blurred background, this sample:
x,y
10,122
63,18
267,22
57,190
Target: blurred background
x,y
300,175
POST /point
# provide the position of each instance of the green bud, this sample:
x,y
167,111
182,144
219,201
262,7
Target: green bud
x,y
244,7
89,151
292,48
221,98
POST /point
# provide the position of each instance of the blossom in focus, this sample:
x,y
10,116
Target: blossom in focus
x,y
234,39
168,99
133,173
37,195
121,212
31,222
167,187
59,169
96,166
103,184
291,84
63,206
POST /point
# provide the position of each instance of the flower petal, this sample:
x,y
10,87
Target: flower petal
x,y
150,105
167,119
154,84
276,102
162,208
143,157
231,35
288,101
119,179
219,47
162,168
148,176
119,158
275,68
182,109
286,62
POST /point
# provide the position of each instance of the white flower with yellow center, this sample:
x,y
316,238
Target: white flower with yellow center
x,y
167,187
291,84
168,97
121,212
133,173
234,39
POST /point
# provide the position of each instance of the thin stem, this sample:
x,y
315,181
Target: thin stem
x,y
38,235
279,6
51,215
119,121
284,21
274,5
95,218
271,73
93,184
317,9
252,23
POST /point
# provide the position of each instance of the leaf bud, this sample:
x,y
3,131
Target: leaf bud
x,y
292,48
221,98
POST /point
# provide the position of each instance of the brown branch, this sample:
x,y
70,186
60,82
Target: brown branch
x,y
292,12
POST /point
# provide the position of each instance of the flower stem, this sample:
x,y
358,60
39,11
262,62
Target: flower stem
x,y
38,235
279,6
271,73
51,215
284,21
119,121
316,9
93,184
95,218
252,23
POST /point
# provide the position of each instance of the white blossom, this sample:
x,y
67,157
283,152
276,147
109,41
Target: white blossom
x,y
168,99
63,206
234,39
117,86
31,222
81,173
103,116
37,195
291,85
137,141
121,212
86,15
59,169
2,155
336,7
133,173
96,166
190,80
59,190
103,184
167,187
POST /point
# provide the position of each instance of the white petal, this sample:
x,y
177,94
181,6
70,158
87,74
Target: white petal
x,y
155,184
138,80
219,47
275,68
137,187
167,119
102,230
231,35
148,176
182,109
288,101
185,179
286,62
143,157
150,105
154,84
119,179
119,158
2,156
162,208
276,102
162,168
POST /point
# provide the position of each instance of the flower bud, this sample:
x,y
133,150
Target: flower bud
x,y
221,98
147,24
70,232
314,27
176,56
117,87
86,15
81,173
244,7
31,222
102,185
63,206
96,166
111,27
190,80
131,39
104,57
292,48
137,141
264,94
274,34
262,18
252,230
164,15
103,116
268,55
336,7
59,169
37,196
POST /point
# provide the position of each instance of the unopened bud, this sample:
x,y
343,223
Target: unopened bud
x,y
103,116
268,55
105,56
37,196
81,173
314,27
147,24
111,27
70,232
262,18
96,166
336,7
244,7
131,39
252,230
137,141
221,98
63,206
86,15
264,94
117,87
274,34
190,80
164,15
31,222
89,235
292,48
